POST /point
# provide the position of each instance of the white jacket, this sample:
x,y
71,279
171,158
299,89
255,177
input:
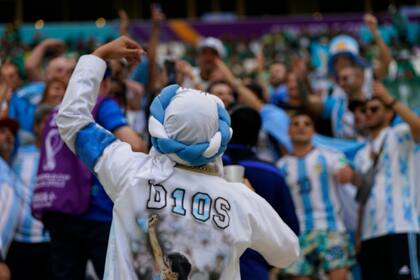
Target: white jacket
x,y
202,223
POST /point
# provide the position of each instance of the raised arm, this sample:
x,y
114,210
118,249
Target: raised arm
x,y
124,23
406,114
385,57
75,122
259,57
32,65
157,18
248,97
154,242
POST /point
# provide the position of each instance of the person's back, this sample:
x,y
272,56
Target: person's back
x,y
200,216
268,182
265,178
168,221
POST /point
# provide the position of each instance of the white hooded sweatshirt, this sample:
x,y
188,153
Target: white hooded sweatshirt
x,y
168,220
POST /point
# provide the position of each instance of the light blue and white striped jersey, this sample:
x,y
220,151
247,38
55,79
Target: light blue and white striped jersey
x,y
25,166
313,187
391,204
417,178
32,92
10,206
342,119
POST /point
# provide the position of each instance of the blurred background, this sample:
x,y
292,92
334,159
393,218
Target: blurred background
x,y
286,53
245,27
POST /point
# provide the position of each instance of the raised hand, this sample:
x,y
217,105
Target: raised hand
x,y
222,67
124,22
184,68
156,13
153,220
123,47
379,90
371,22
54,44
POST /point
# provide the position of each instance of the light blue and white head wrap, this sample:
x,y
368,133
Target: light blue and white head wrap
x,y
189,126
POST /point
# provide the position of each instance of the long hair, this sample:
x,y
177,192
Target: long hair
x,y
180,264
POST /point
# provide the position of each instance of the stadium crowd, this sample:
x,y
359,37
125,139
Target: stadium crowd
x,y
324,125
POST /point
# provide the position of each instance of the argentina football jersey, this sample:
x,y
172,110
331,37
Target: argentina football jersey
x,y
313,188
391,204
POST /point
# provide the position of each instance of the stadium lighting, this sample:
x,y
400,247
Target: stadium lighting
x,y
100,22
39,24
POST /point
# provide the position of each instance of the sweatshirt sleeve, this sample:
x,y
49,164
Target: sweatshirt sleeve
x,y
271,237
86,138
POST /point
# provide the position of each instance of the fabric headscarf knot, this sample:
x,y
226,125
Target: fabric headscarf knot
x,y
191,150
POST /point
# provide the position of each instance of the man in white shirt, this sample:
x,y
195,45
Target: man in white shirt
x,y
389,228
313,174
201,219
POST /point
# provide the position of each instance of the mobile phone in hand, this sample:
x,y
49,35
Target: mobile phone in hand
x,y
170,70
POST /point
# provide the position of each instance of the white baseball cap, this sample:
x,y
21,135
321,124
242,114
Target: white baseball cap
x,y
212,43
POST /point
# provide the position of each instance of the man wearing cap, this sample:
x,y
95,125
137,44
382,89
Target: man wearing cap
x,y
202,223
338,108
209,49
344,57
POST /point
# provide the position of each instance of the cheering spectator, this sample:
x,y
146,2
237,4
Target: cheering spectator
x,y
312,174
274,119
127,175
388,222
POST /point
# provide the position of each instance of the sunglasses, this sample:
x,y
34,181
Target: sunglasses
x,y
370,109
